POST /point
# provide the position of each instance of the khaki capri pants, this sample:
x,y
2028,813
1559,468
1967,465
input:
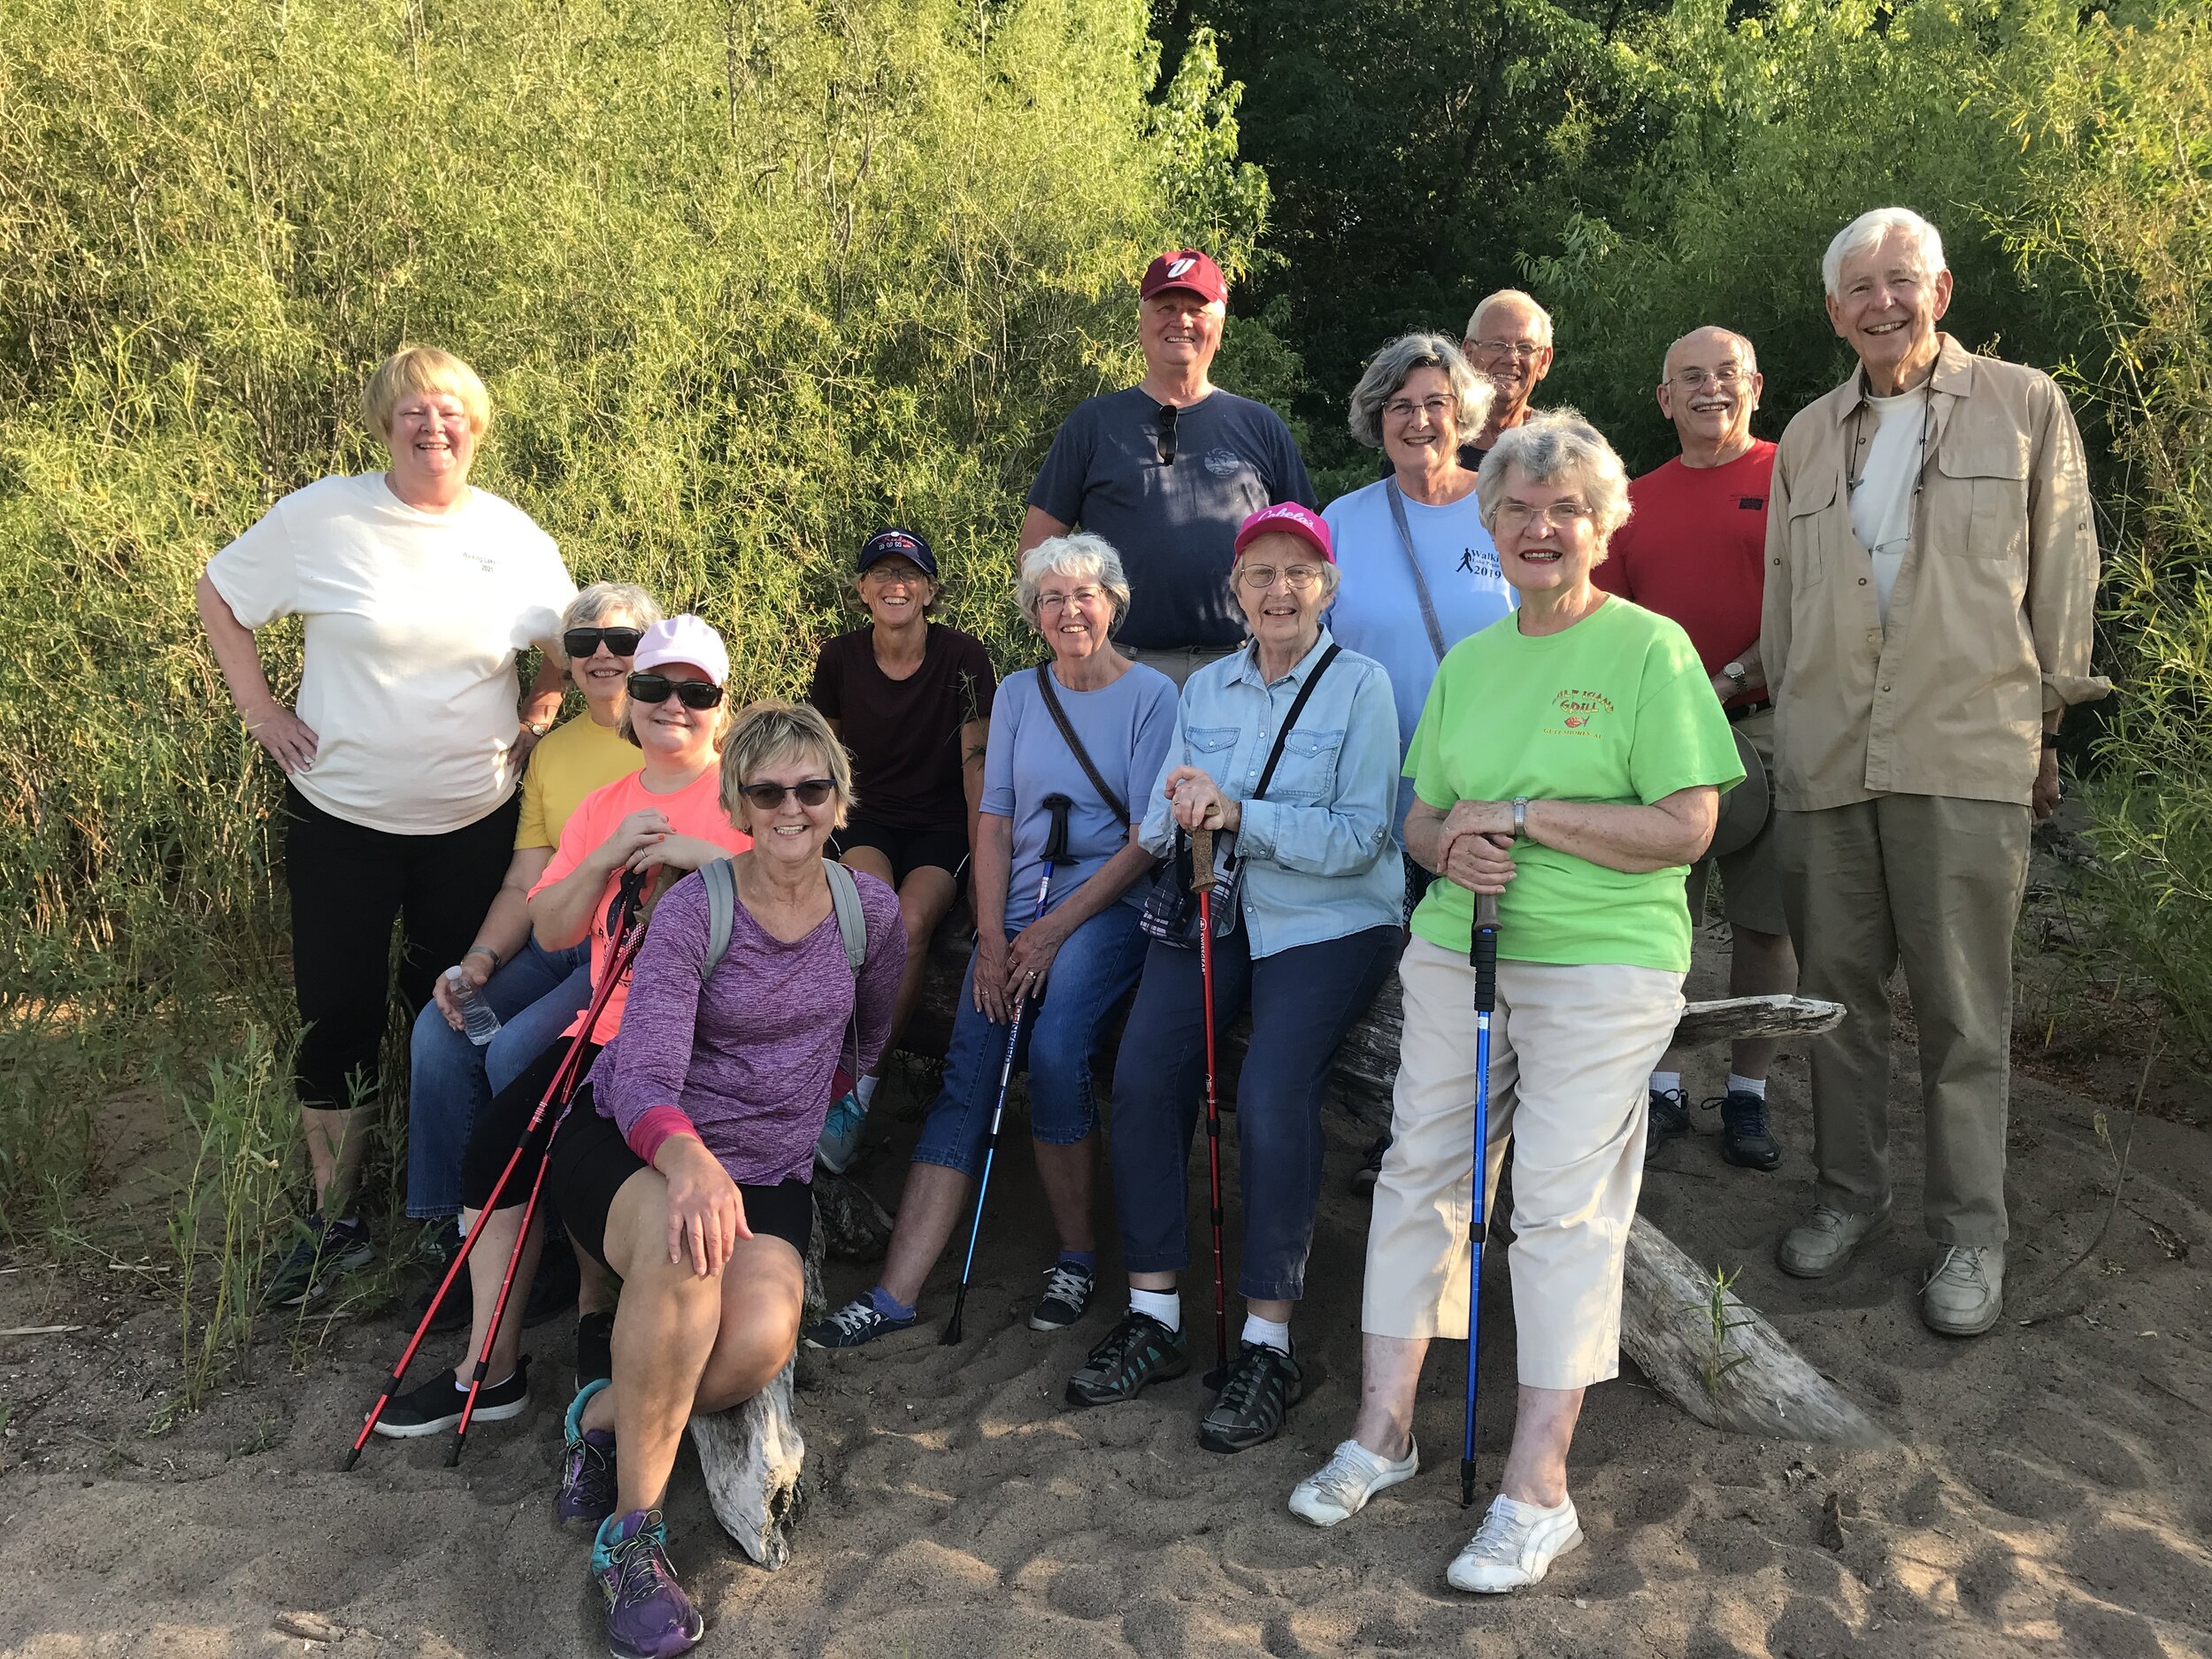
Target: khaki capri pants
x,y
1571,1050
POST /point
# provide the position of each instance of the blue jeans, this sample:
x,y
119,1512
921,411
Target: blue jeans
x,y
1092,974
1304,1001
450,1079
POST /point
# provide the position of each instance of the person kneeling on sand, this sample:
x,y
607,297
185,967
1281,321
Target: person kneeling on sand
x,y
685,1160
1569,759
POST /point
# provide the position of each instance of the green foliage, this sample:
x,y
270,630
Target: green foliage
x,y
745,280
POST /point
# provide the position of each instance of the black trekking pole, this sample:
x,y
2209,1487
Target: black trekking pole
x,y
563,1079
1055,853
1201,882
1484,955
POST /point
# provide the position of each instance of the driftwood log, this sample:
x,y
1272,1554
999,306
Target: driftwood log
x,y
1745,1381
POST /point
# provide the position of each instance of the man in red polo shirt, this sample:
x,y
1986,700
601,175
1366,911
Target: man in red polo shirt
x,y
1695,550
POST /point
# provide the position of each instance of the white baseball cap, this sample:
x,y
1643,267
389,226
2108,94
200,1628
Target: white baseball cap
x,y
685,639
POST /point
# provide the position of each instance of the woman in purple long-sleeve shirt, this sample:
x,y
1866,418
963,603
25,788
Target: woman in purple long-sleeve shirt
x,y
684,1165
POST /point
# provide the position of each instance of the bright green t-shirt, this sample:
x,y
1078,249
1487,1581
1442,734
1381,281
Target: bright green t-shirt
x,y
1616,709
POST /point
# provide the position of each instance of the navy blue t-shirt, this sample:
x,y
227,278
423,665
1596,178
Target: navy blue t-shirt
x,y
1174,524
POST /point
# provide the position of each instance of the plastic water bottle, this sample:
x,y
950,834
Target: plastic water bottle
x,y
477,1018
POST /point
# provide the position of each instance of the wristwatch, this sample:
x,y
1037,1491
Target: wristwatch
x,y
537,729
1737,675
1520,817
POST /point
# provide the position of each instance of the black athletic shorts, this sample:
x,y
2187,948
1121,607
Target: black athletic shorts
x,y
591,1161
909,849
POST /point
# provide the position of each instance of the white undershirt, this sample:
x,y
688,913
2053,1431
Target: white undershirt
x,y
1881,507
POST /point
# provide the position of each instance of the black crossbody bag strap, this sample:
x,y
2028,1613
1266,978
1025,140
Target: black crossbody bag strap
x,y
1114,803
1297,708
1413,563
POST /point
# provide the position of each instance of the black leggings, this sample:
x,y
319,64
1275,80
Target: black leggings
x,y
501,1125
348,886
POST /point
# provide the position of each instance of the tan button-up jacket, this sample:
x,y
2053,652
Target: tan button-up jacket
x,y
1989,623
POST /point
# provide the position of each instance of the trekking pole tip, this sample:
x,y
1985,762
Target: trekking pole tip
x,y
1466,1483
352,1457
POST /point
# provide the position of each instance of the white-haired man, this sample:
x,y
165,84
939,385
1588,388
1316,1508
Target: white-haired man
x,y
1694,550
1167,470
1508,338
1931,570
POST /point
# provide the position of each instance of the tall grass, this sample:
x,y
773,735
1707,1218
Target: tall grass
x,y
746,279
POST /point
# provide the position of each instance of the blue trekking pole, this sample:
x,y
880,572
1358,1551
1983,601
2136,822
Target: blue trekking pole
x,y
1484,955
1055,853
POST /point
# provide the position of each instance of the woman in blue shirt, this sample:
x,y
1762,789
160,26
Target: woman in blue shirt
x,y
1315,932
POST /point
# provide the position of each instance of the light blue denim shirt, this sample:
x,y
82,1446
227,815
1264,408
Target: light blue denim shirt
x,y
1319,860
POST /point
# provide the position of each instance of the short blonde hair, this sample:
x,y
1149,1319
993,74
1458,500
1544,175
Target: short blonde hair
x,y
1558,447
1079,557
772,730
423,369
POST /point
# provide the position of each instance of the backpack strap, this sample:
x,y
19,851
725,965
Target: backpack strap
x,y
852,922
721,879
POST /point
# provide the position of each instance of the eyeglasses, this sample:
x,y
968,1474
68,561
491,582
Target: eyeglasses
x,y
1166,434
1068,602
1525,349
1560,515
582,642
888,572
1259,577
769,797
1724,380
1403,408
692,694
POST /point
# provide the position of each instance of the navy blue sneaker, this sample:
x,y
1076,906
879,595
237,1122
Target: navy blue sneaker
x,y
1745,1139
859,1321
1670,1120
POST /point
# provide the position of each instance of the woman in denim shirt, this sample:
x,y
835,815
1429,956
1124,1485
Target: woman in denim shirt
x,y
1315,933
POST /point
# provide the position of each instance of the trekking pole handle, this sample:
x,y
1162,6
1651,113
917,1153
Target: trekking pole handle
x,y
1483,951
1057,839
1202,860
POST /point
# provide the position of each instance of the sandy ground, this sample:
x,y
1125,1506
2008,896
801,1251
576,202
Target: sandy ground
x,y
2047,1493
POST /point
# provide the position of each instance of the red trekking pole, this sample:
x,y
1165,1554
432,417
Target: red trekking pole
x,y
1201,882
629,936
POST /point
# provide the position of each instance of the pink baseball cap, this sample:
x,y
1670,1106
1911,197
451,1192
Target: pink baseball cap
x,y
685,639
1287,518
1184,268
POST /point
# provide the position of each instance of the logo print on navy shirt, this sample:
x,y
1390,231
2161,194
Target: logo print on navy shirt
x,y
1224,462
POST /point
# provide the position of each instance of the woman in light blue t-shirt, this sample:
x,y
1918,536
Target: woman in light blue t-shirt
x,y
1081,956
1417,402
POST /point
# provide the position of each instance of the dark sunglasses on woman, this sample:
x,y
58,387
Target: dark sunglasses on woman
x,y
769,797
692,694
581,642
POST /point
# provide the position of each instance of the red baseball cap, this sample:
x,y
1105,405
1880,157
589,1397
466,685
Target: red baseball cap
x,y
1287,518
1184,268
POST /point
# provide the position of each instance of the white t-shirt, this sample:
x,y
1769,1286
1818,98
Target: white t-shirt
x,y
1881,507
413,620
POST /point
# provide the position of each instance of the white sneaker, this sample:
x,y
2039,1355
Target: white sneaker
x,y
1514,1547
1340,1487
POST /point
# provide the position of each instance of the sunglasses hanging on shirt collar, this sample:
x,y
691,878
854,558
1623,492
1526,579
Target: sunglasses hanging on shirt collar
x,y
1166,434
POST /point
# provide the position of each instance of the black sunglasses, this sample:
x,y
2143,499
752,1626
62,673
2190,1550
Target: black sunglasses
x,y
769,797
1168,412
582,642
692,694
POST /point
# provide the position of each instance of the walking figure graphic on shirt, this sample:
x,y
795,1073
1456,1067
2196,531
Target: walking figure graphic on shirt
x,y
1467,560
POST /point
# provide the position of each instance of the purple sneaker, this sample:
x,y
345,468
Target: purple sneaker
x,y
648,1615
588,1488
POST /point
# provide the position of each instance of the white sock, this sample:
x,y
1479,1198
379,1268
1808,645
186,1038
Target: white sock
x,y
1747,1085
866,1090
1268,1333
1167,1306
1666,1082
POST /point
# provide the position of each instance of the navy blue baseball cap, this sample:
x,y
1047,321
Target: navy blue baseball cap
x,y
900,544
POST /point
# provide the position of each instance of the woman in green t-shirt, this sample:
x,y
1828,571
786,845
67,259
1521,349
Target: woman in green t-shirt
x,y
1569,759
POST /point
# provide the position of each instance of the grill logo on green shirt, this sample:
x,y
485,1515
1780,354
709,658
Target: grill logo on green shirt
x,y
1577,709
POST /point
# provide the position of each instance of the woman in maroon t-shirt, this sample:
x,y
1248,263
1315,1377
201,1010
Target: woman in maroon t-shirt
x,y
911,700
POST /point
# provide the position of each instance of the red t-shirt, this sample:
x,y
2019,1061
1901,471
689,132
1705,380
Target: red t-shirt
x,y
694,810
1695,550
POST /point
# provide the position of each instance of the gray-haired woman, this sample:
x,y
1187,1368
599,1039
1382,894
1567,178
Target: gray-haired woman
x,y
1086,943
535,992
1570,761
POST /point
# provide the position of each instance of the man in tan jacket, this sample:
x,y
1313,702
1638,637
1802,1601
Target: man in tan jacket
x,y
1931,572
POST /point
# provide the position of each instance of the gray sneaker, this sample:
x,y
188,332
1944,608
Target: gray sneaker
x,y
1825,1241
1966,1292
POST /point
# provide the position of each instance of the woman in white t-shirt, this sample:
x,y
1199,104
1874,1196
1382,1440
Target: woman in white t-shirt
x,y
401,759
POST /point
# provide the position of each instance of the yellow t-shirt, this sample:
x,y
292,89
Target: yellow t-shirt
x,y
570,761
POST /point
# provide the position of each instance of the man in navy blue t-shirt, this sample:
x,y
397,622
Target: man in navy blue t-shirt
x,y
1167,470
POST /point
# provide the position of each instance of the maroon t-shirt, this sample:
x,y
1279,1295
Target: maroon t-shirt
x,y
1694,550
904,734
